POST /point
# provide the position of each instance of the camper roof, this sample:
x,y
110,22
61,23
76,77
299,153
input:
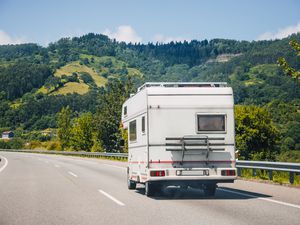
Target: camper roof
x,y
182,84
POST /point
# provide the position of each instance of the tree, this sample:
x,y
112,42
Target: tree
x,y
22,77
97,144
124,135
108,115
53,83
256,135
64,124
82,133
85,61
286,67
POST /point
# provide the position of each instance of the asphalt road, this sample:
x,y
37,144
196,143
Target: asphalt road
x,y
41,189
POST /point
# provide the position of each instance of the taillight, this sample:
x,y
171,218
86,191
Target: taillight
x,y
158,173
228,172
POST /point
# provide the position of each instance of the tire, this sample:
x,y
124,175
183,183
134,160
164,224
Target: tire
x,y
130,183
149,189
210,189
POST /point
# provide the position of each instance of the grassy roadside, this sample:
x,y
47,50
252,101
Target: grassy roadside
x,y
281,178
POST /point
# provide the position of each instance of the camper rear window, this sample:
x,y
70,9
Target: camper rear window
x,y
132,130
211,123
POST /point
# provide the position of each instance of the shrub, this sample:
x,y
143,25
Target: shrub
x,y
54,145
4,145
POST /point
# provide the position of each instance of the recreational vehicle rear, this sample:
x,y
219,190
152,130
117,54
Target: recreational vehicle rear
x,y
180,134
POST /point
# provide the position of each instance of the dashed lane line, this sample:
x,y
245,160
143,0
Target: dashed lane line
x,y
111,198
119,167
72,174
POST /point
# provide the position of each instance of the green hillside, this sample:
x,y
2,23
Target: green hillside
x,y
71,88
80,72
98,68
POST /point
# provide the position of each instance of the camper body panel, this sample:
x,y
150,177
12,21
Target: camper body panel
x,y
137,147
173,113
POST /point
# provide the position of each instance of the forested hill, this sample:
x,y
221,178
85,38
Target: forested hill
x,y
36,82
250,67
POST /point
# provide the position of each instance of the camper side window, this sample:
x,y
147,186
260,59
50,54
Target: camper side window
x,y
125,111
132,130
210,123
143,125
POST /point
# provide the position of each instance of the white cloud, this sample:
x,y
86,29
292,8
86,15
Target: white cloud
x,y
281,33
124,33
6,39
160,38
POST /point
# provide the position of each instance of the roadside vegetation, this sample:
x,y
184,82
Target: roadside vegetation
x,y
278,177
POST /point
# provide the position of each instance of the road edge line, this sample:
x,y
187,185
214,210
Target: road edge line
x,y
260,198
5,164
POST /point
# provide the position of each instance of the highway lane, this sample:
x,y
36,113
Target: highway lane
x,y
47,189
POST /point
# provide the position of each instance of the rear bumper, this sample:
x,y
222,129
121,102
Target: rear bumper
x,y
192,183
212,176
220,179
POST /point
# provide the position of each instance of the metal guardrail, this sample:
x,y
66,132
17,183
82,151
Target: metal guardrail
x,y
292,168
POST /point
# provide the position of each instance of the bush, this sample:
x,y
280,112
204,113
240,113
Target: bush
x,y
54,145
86,78
16,143
4,145
289,156
289,143
34,144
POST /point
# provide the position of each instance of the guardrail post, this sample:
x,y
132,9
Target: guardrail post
x,y
254,172
270,175
292,177
239,172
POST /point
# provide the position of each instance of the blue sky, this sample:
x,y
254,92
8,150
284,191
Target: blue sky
x,y
45,21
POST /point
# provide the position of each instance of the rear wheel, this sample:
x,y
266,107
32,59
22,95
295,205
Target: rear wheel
x,y
152,188
210,189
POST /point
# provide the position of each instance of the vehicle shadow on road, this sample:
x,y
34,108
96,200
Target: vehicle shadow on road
x,y
197,194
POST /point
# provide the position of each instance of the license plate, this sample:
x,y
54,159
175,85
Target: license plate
x,y
192,172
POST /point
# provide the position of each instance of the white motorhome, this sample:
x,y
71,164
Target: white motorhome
x,y
180,134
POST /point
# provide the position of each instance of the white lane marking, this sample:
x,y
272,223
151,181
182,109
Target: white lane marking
x,y
82,161
78,160
119,167
111,198
46,161
260,198
5,163
57,166
73,174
